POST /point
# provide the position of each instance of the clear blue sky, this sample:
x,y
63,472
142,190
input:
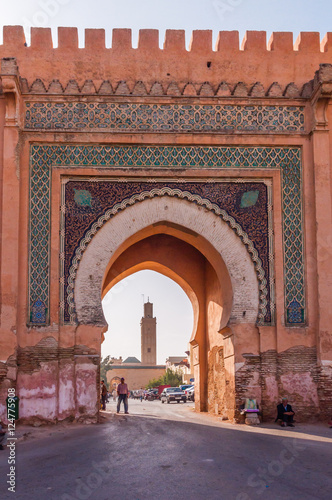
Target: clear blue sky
x,y
124,307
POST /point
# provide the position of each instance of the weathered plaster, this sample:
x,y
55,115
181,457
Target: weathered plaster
x,y
302,385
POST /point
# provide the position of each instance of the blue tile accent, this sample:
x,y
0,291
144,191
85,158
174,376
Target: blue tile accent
x,y
287,159
38,313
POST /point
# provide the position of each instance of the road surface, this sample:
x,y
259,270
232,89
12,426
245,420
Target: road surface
x,y
166,452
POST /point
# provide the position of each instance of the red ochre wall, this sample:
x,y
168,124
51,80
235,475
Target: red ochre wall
x,y
280,60
55,369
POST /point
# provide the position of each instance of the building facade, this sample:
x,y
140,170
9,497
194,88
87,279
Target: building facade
x,y
180,365
137,375
212,167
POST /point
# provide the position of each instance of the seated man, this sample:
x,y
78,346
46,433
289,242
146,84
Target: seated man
x,y
3,437
285,413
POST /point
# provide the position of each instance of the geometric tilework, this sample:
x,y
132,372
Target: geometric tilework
x,y
88,204
39,241
295,314
286,159
138,117
38,313
293,242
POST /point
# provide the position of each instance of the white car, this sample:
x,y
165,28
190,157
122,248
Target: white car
x,y
190,393
173,394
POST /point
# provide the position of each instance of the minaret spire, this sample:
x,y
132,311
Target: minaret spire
x,y
148,336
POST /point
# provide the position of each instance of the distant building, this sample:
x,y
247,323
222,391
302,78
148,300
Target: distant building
x,y
148,336
173,361
131,360
116,361
181,365
137,374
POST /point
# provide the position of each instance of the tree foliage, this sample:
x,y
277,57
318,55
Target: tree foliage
x,y
169,378
105,366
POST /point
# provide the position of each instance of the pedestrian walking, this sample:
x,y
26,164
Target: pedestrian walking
x,y
114,393
103,394
122,396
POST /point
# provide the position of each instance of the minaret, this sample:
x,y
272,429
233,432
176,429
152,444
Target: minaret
x,y
148,336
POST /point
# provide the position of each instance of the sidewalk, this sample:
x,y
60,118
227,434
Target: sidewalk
x,y
316,432
313,432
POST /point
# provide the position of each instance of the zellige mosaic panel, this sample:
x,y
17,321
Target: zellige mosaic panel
x,y
287,159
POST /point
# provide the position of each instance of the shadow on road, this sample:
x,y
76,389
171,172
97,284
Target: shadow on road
x,y
147,457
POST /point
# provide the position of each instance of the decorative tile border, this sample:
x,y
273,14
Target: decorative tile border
x,y
138,117
287,159
87,204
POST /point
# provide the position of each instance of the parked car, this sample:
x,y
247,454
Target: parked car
x,y
190,393
173,394
183,387
152,394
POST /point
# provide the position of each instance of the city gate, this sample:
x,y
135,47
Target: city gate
x,y
211,167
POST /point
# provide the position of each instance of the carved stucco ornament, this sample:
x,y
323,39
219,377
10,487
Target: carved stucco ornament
x,y
321,96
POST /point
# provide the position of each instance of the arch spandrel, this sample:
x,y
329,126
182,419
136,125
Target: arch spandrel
x,y
125,224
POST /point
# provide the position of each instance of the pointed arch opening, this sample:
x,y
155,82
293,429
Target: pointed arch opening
x,y
198,250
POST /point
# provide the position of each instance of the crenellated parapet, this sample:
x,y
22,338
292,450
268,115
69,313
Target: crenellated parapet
x,y
250,68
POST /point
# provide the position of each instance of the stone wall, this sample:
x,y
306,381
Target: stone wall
x,y
136,377
55,383
270,376
217,383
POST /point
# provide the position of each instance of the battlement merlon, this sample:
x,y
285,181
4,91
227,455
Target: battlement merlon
x,y
278,60
201,40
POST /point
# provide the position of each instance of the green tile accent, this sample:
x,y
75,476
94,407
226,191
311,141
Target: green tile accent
x,y
249,199
287,159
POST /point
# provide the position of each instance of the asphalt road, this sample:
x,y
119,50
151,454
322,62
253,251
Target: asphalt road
x,y
166,452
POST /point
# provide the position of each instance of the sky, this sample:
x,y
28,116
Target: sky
x,y
123,309
123,306
241,15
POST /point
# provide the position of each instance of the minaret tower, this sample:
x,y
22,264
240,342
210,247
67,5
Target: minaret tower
x,y
148,336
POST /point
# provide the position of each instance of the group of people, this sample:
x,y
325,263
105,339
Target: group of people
x,y
285,413
122,392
